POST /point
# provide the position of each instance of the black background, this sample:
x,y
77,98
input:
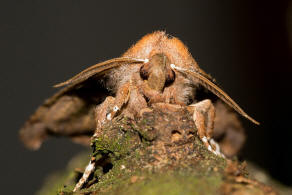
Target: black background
x,y
245,45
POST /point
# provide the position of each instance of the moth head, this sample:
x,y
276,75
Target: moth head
x,y
157,72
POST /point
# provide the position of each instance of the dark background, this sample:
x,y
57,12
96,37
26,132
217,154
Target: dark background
x,y
245,45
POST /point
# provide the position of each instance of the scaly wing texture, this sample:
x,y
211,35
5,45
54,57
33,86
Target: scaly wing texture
x,y
70,112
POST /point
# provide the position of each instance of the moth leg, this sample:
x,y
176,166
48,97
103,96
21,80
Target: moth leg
x,y
88,170
105,112
204,116
109,108
101,111
121,99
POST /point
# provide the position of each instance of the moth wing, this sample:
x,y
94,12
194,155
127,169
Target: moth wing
x,y
70,112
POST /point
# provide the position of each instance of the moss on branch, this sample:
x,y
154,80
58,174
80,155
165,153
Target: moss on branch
x,y
160,153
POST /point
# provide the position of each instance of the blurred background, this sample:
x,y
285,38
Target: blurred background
x,y
245,45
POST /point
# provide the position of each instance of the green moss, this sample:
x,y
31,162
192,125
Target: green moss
x,y
180,180
66,179
117,144
171,182
140,157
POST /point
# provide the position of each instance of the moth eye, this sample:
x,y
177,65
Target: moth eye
x,y
170,77
144,73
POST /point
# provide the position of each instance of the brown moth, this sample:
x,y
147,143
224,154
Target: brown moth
x,y
157,69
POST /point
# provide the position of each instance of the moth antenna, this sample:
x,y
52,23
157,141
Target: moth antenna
x,y
217,91
209,77
97,68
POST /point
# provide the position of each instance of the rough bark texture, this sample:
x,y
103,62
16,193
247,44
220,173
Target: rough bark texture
x,y
157,154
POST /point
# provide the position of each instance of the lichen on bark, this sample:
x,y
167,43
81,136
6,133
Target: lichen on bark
x,y
160,153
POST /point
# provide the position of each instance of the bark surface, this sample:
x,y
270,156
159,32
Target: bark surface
x,y
160,153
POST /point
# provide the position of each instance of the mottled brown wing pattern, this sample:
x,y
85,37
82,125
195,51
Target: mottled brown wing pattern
x,y
70,112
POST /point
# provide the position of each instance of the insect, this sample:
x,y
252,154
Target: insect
x,y
157,69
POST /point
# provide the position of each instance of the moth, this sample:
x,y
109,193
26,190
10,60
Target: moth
x,y
157,69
